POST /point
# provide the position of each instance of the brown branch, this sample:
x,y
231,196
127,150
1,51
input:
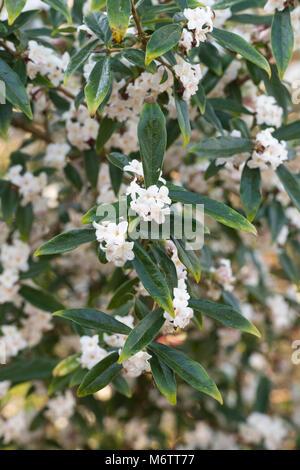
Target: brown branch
x,y
21,124
141,32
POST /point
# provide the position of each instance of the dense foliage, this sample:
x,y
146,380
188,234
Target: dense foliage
x,y
115,336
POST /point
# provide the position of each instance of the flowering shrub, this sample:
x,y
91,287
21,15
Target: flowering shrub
x,y
117,329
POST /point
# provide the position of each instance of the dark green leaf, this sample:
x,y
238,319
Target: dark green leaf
x,y
282,40
100,375
67,241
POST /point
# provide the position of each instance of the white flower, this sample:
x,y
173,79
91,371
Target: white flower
x,y
183,313
91,352
135,167
9,277
137,364
13,340
269,151
118,340
56,155
268,112
283,316
152,203
223,274
272,5
293,216
260,427
60,408
200,20
189,75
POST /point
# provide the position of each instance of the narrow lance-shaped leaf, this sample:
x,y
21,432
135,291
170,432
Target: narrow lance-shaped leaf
x,y
98,84
66,366
118,13
100,375
143,334
40,299
189,259
282,40
94,319
190,371
161,41
183,117
122,386
14,89
61,7
250,191
14,8
66,241
237,44
221,147
152,136
152,279
218,211
289,132
79,59
224,314
291,184
164,378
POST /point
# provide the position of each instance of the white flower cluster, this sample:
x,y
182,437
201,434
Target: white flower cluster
x,y
13,340
44,61
152,203
118,340
91,352
223,275
183,313
81,128
269,151
30,186
13,259
137,364
180,268
189,75
268,112
283,316
35,324
14,427
61,408
112,238
263,428
56,154
200,22
272,5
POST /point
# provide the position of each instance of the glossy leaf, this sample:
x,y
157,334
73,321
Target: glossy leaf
x,y
98,84
250,191
100,375
164,378
162,40
14,88
66,241
61,7
14,8
78,59
282,40
118,14
291,184
221,147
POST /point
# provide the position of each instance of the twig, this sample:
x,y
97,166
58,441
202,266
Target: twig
x,y
141,32
20,124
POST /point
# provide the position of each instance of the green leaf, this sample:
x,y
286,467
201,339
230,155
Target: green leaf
x,y
66,366
91,165
183,117
230,105
118,159
250,191
9,200
40,299
143,334
189,259
291,184
224,314
162,40
290,268
100,375
106,129
289,132
152,136
200,98
23,371
152,279
140,309
14,8
123,294
137,57
5,118
182,4
98,23
73,176
221,147
94,319
61,7
282,40
24,220
78,59
237,44
15,91
122,386
98,84
166,266
218,211
164,378
118,14
66,241
190,371
263,392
